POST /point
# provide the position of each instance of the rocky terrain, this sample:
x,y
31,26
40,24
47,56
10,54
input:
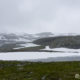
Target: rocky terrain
x,y
8,41
60,41
15,42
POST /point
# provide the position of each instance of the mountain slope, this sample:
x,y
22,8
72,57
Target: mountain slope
x,y
60,41
10,41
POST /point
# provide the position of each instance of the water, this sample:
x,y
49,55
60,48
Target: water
x,y
39,56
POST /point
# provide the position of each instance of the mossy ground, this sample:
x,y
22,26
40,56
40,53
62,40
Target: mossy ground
x,y
13,70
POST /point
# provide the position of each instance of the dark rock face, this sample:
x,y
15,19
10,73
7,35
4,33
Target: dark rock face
x,y
62,41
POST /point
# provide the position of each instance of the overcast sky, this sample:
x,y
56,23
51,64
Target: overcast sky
x,y
34,16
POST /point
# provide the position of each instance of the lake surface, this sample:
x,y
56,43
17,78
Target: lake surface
x,y
39,56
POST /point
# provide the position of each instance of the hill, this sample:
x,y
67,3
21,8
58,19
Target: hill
x,y
60,41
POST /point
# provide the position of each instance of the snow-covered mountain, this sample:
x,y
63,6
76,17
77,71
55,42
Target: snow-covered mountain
x,y
15,37
10,41
44,34
29,37
23,37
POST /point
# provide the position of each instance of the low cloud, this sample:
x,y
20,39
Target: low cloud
x,y
57,16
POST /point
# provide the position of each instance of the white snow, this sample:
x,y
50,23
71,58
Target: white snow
x,y
22,56
66,50
62,49
65,34
47,48
27,45
22,39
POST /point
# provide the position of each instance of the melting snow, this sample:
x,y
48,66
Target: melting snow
x,y
62,49
27,45
29,56
22,56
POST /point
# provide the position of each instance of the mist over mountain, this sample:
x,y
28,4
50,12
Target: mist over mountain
x,y
30,37
13,40
23,36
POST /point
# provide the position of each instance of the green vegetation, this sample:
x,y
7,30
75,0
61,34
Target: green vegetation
x,y
13,70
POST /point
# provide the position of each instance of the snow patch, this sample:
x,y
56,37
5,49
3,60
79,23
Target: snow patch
x,y
22,56
27,45
62,49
